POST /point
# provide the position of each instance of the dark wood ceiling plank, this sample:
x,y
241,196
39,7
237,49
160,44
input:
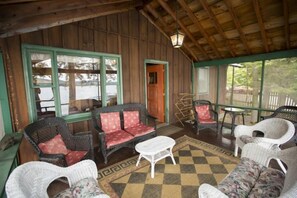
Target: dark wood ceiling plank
x,y
286,19
261,24
186,31
238,26
16,1
165,27
22,10
30,24
201,29
217,26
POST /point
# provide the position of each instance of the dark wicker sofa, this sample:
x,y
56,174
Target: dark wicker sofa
x,y
112,140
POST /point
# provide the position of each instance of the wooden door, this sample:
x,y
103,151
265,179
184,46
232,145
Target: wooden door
x,y
155,91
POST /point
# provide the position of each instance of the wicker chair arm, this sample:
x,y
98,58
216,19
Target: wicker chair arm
x,y
207,191
83,142
57,159
152,119
243,130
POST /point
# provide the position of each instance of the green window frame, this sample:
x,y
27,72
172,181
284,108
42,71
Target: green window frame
x,y
53,69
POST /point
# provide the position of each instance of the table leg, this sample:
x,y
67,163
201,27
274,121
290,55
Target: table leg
x,y
223,121
140,156
233,123
171,155
242,118
153,167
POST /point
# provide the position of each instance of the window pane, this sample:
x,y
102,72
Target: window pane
x,y
41,68
280,87
79,83
203,81
111,65
45,105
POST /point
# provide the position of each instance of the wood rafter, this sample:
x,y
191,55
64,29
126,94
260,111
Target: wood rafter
x,y
165,26
33,23
261,24
217,25
238,26
201,29
187,32
286,18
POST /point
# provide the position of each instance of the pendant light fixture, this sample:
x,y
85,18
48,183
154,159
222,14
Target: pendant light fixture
x,y
177,38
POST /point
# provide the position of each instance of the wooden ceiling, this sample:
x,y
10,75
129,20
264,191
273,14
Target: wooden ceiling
x,y
214,29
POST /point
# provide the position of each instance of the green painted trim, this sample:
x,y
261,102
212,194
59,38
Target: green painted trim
x,y
251,58
261,89
103,81
218,92
54,52
4,100
166,64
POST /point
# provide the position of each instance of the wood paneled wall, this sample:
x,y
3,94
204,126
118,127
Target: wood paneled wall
x,y
129,34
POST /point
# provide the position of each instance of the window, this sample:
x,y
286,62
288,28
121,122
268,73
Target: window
x,y
203,81
70,83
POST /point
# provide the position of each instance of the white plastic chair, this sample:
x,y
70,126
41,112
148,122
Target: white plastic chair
x,y
33,178
276,132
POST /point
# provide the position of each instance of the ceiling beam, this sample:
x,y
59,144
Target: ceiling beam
x,y
33,23
261,24
201,29
238,26
217,25
286,19
14,12
187,32
159,19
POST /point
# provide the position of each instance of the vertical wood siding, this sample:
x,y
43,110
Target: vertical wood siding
x,y
128,34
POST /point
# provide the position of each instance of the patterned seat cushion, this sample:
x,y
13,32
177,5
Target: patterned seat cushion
x,y
55,145
203,112
242,179
139,129
207,121
269,184
131,118
117,137
84,188
110,122
247,139
73,157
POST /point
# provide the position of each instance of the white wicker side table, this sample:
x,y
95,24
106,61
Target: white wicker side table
x,y
154,150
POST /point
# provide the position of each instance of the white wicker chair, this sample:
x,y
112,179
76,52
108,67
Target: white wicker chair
x,y
277,131
263,156
33,178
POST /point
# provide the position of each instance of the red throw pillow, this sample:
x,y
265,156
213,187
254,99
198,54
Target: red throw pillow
x,y
131,118
203,112
55,145
110,122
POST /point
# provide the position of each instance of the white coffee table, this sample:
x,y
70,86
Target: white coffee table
x,y
154,150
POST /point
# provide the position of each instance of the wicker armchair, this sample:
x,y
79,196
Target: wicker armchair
x,y
205,116
288,113
33,178
46,129
261,156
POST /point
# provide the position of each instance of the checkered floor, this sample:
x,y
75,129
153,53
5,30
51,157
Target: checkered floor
x,y
194,167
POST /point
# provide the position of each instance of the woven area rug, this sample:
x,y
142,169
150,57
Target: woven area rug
x,y
197,162
168,130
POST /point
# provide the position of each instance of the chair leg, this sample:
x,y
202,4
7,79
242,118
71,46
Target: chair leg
x,y
236,150
281,165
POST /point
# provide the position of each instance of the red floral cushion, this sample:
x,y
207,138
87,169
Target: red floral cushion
x,y
131,118
117,137
55,145
74,156
203,112
208,121
139,130
110,122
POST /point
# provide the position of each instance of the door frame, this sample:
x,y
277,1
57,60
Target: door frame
x,y
166,84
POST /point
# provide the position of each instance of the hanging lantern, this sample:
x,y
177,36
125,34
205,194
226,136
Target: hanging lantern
x,y
177,39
